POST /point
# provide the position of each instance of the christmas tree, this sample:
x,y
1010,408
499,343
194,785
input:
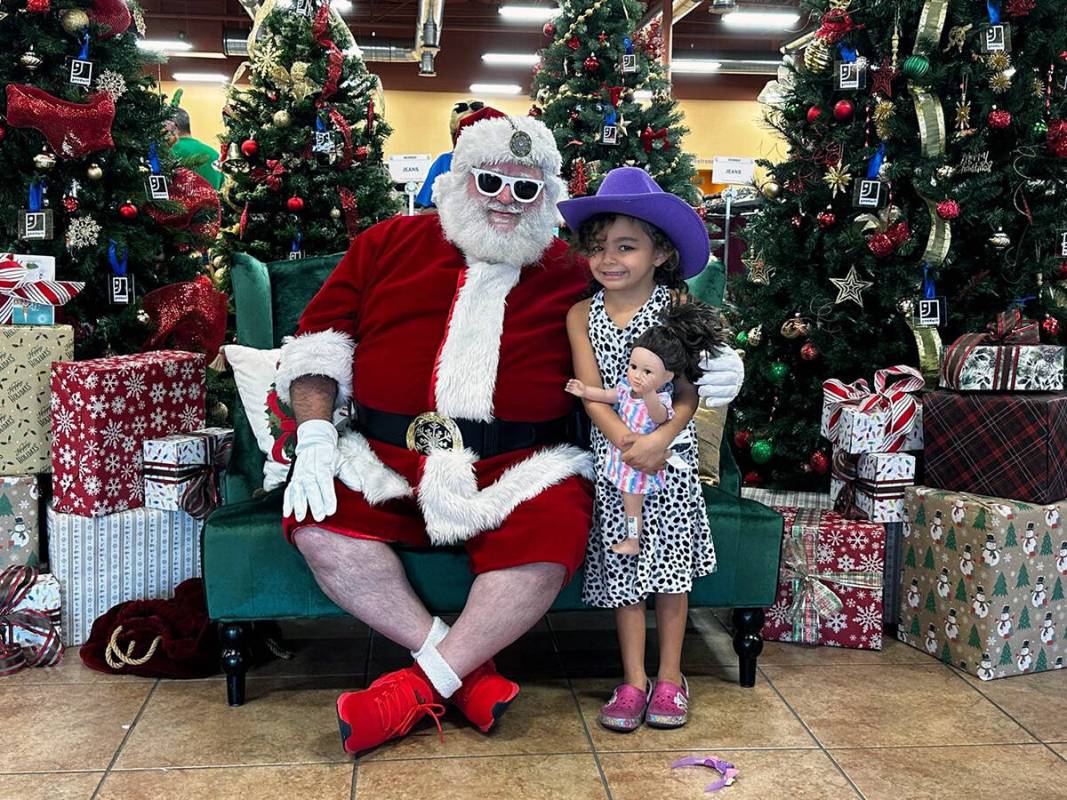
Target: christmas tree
x,y
909,559
303,141
1009,536
1024,577
1000,588
884,205
950,540
90,181
915,630
961,591
5,506
1005,655
979,523
1024,619
931,603
1046,545
974,640
920,516
1057,590
928,559
946,654
585,91
1042,662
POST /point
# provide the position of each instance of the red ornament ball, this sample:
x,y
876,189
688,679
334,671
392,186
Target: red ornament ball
x,y
809,352
70,204
898,234
295,204
536,111
999,119
591,64
826,220
1051,326
948,209
128,210
549,29
819,462
38,6
881,245
813,114
752,478
249,147
1057,138
3,132
797,221
361,152
843,110
742,439
573,43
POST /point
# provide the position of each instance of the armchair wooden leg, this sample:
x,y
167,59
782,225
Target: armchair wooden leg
x,y
235,658
748,643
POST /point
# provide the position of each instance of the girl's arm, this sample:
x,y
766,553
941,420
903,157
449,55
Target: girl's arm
x,y
586,371
591,393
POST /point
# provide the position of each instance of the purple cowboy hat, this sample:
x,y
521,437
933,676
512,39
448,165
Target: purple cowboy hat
x,y
631,191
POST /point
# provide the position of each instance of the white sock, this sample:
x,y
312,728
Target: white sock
x,y
441,675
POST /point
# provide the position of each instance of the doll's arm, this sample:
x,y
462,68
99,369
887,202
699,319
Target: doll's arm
x,y
591,393
657,411
585,369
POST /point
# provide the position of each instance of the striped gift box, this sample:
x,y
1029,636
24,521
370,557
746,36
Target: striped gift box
x,y
140,554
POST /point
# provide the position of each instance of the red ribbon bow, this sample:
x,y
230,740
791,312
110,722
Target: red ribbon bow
x,y
271,175
188,316
15,288
320,29
893,395
15,584
648,136
836,25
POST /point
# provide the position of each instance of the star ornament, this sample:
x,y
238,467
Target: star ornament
x,y
850,287
838,178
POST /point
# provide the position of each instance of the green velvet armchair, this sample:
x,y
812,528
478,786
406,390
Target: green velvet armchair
x,y
252,574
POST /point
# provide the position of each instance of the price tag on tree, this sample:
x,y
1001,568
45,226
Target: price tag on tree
x,y
157,182
120,288
996,39
609,134
1062,249
629,58
849,76
80,69
869,194
35,222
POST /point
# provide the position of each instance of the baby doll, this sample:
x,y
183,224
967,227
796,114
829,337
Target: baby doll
x,y
662,354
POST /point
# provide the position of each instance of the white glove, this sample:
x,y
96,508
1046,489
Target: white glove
x,y
311,486
723,375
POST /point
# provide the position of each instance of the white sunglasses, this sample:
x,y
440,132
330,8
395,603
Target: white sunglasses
x,y
490,184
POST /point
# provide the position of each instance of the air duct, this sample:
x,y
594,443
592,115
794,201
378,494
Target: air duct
x,y
428,35
681,9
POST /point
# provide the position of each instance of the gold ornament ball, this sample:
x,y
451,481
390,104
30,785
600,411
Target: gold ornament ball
x,y
335,213
219,411
44,160
94,173
282,119
817,56
771,190
75,21
1000,240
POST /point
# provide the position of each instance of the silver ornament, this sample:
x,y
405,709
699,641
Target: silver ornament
x,y
94,173
282,119
335,213
30,60
44,160
1000,240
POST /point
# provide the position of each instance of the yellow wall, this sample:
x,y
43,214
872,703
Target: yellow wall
x,y
420,122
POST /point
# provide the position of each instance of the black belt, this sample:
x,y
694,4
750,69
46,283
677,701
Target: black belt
x,y
432,431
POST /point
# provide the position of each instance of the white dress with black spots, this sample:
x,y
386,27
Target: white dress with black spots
x,y
676,545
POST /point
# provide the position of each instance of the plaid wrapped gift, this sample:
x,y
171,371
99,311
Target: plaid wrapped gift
x,y
829,582
1009,356
102,411
1002,445
183,471
983,582
29,620
887,420
873,483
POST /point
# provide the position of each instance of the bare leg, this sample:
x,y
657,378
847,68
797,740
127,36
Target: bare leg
x,y
501,607
634,505
367,580
630,623
671,613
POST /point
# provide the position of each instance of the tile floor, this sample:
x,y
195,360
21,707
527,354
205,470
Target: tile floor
x,y
820,723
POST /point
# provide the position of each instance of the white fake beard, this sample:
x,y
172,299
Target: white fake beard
x,y
465,223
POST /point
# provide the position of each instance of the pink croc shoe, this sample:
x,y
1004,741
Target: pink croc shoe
x,y
669,706
626,708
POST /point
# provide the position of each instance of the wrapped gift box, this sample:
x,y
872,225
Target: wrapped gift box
x,y
140,554
102,411
36,633
861,432
40,268
1001,445
878,486
983,582
888,419
26,356
1009,357
184,470
830,581
19,531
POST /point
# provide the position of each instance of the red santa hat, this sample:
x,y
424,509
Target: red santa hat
x,y
464,122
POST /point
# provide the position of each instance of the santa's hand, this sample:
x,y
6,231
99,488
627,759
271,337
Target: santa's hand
x,y
311,485
723,375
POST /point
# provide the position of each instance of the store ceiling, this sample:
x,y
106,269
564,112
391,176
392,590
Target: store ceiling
x,y
470,28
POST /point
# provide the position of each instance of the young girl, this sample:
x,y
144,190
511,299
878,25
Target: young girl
x,y
641,244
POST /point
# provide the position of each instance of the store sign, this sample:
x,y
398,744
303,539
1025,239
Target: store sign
x,y
410,168
731,169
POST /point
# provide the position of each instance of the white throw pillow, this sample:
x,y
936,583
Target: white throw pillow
x,y
271,420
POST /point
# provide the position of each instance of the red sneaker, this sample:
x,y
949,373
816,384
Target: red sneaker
x,y
387,709
484,696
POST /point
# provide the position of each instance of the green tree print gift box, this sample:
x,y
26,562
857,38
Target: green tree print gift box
x,y
982,586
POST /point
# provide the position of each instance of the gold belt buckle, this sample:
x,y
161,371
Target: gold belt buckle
x,y
431,431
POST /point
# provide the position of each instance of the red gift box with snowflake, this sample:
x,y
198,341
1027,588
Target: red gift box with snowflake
x,y
102,411
829,582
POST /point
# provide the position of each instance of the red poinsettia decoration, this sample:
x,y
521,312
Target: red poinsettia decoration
x,y
1057,138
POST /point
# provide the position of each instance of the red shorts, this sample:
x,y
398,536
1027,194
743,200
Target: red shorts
x,y
552,527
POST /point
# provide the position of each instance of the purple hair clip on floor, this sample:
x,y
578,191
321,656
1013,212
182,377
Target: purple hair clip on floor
x,y
727,770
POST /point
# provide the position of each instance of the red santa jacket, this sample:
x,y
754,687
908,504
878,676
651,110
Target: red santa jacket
x,y
413,327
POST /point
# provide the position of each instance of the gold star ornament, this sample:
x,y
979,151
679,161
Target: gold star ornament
x,y
838,178
850,287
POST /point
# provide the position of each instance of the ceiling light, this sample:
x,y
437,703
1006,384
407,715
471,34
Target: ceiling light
x,y
694,65
162,45
515,59
197,54
201,77
761,20
528,13
341,6
495,88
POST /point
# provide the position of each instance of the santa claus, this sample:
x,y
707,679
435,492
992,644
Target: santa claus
x,y
461,425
